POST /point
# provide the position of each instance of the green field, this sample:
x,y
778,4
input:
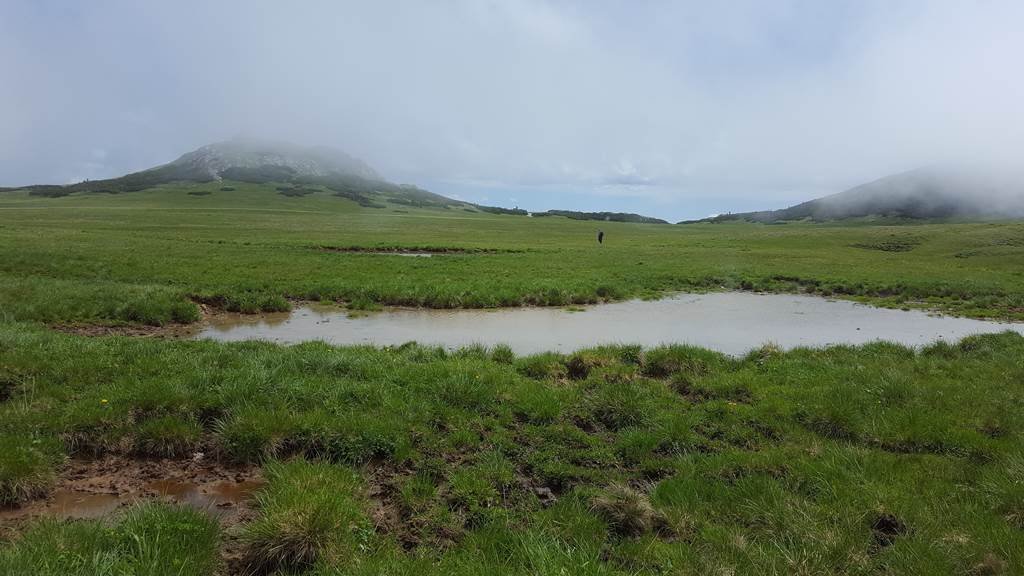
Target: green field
x,y
144,257
611,461
416,460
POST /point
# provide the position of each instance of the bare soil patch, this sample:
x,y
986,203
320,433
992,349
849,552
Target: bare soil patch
x,y
138,331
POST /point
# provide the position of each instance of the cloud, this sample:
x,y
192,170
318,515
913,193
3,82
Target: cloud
x,y
700,107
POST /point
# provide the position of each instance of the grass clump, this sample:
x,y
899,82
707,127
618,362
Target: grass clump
x,y
627,511
27,467
255,302
666,361
169,436
309,512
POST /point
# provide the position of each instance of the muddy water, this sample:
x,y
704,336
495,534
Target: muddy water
x,y
733,323
74,504
220,495
67,504
219,498
216,496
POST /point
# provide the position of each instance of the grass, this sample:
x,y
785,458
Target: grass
x,y
615,460
877,459
152,539
310,512
148,257
27,467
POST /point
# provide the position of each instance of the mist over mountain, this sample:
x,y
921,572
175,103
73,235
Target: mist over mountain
x,y
931,192
213,161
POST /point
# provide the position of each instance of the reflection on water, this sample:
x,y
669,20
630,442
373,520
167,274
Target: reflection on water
x,y
733,323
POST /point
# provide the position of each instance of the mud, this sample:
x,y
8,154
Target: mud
x,y
885,529
172,331
96,488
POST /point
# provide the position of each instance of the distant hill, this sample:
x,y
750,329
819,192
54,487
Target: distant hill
x,y
603,216
298,169
917,194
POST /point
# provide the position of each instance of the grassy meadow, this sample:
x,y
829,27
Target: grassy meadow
x,y
412,460
148,257
615,460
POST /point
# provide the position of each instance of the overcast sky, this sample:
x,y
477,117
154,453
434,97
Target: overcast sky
x,y
673,109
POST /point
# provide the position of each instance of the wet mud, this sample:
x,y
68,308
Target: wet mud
x,y
97,488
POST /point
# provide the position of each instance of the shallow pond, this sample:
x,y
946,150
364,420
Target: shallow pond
x,y
733,323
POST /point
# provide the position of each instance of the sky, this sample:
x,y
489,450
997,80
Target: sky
x,y
671,109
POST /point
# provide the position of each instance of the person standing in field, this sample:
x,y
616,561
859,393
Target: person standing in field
x,y
600,236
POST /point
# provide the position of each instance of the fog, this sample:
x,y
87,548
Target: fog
x,y
672,109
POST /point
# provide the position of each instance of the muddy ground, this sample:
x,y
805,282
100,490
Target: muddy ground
x,y
97,488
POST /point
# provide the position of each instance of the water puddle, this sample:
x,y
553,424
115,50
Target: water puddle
x,y
68,504
733,323
216,496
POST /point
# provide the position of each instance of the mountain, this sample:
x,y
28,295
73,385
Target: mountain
x,y
933,192
246,160
298,170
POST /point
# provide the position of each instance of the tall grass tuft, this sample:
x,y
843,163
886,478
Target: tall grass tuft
x,y
27,467
309,511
